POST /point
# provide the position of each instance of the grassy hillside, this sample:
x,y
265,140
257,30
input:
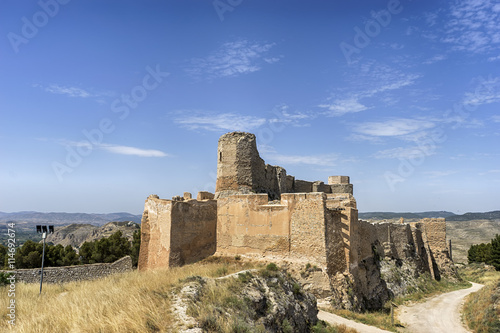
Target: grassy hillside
x,y
137,301
482,309
131,302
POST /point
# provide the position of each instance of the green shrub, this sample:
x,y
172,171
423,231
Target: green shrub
x,y
296,288
222,271
272,267
286,327
4,278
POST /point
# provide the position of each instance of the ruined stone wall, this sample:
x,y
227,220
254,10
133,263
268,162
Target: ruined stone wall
x,y
396,240
435,229
247,224
74,273
299,227
302,186
307,226
369,289
174,232
155,233
193,231
337,254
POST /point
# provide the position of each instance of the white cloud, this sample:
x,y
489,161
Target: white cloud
x,y
434,59
115,149
489,172
70,91
393,127
431,18
233,59
396,46
320,160
282,115
220,122
473,26
496,119
439,174
370,79
271,155
415,152
279,117
272,60
126,150
486,92
342,106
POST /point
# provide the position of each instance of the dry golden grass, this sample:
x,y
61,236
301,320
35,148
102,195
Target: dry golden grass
x,y
479,273
130,302
479,308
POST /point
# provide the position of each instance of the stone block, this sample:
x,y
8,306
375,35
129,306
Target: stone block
x,y
302,186
341,188
204,195
319,186
338,180
187,196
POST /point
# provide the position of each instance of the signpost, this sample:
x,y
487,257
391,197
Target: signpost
x,y
43,230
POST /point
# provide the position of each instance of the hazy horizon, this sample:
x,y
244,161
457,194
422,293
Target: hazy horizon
x,y
139,214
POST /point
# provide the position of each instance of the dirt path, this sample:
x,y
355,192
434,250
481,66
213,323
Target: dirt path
x,y
337,320
438,314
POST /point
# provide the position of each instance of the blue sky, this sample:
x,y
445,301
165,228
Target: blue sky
x,y
105,102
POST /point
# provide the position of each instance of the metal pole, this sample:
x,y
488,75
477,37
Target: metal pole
x,y
43,257
451,255
392,315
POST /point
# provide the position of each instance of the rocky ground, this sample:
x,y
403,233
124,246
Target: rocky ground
x,y
251,301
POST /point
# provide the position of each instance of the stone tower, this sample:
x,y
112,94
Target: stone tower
x,y
240,170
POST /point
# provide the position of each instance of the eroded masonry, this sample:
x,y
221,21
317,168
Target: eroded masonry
x,y
261,212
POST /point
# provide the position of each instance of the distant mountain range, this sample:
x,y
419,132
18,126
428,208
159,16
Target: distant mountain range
x,y
101,219
493,215
68,218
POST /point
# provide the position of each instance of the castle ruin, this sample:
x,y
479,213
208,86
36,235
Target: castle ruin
x,y
259,211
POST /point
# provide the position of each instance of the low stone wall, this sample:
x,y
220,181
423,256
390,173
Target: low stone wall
x,y
74,273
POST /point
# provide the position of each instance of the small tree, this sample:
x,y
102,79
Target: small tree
x,y
495,252
85,252
105,250
136,245
70,257
3,256
472,254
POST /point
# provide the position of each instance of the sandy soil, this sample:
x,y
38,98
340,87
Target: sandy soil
x,y
438,314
